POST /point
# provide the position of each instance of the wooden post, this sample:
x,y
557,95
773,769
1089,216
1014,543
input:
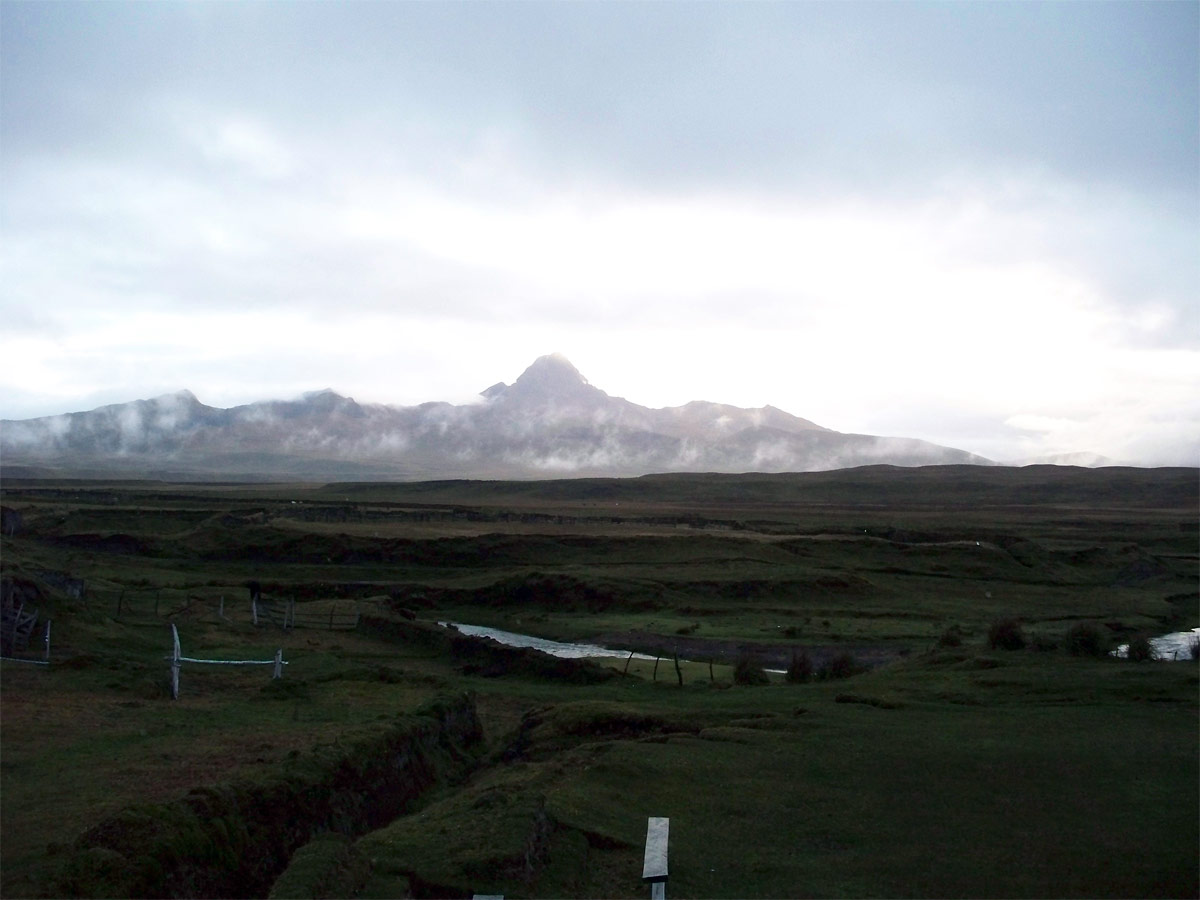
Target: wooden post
x,y
656,668
678,671
625,671
175,662
278,663
47,640
710,672
654,866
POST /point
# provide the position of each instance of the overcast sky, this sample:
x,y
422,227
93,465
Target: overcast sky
x,y
971,223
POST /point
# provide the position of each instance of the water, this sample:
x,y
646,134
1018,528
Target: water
x,y
1176,645
554,648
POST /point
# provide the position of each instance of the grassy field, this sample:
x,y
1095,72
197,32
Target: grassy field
x,y
946,768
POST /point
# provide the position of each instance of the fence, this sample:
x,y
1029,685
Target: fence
x,y
177,659
17,625
151,606
283,614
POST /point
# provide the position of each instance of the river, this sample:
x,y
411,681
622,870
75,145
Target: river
x,y
554,648
1173,646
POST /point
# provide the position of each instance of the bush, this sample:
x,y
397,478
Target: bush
x,y
1086,639
749,670
1043,643
841,666
1006,635
1194,649
951,637
801,668
1139,649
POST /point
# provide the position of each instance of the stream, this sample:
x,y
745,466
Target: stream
x,y
1169,647
554,648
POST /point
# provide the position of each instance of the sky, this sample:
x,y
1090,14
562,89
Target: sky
x,y
972,223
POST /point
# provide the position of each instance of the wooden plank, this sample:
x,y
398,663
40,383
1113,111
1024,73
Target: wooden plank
x,y
654,868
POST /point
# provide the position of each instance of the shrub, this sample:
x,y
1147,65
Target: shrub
x,y
1043,643
1006,635
1139,649
841,666
748,670
801,668
951,637
1194,649
1086,639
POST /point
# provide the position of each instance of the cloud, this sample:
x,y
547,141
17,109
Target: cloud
x,y
918,220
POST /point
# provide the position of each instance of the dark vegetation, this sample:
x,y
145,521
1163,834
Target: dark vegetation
x,y
1089,639
940,640
1006,634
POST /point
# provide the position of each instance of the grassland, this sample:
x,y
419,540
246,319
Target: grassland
x,y
949,768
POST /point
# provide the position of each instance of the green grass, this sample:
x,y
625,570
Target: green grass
x,y
954,772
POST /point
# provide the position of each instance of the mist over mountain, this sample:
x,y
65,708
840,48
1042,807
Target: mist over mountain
x,y
549,423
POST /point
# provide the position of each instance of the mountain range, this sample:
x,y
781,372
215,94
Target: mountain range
x,y
550,423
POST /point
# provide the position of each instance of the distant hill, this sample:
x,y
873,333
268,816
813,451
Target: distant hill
x,y
549,423
1083,458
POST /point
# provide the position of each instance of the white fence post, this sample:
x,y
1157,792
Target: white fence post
x,y
654,868
278,663
47,640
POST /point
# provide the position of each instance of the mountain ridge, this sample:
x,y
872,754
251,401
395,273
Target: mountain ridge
x,y
550,422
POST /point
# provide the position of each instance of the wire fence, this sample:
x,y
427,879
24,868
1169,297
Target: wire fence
x,y
178,659
151,606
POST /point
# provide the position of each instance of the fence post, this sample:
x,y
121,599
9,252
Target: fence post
x,y
47,639
175,663
278,663
654,866
254,611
